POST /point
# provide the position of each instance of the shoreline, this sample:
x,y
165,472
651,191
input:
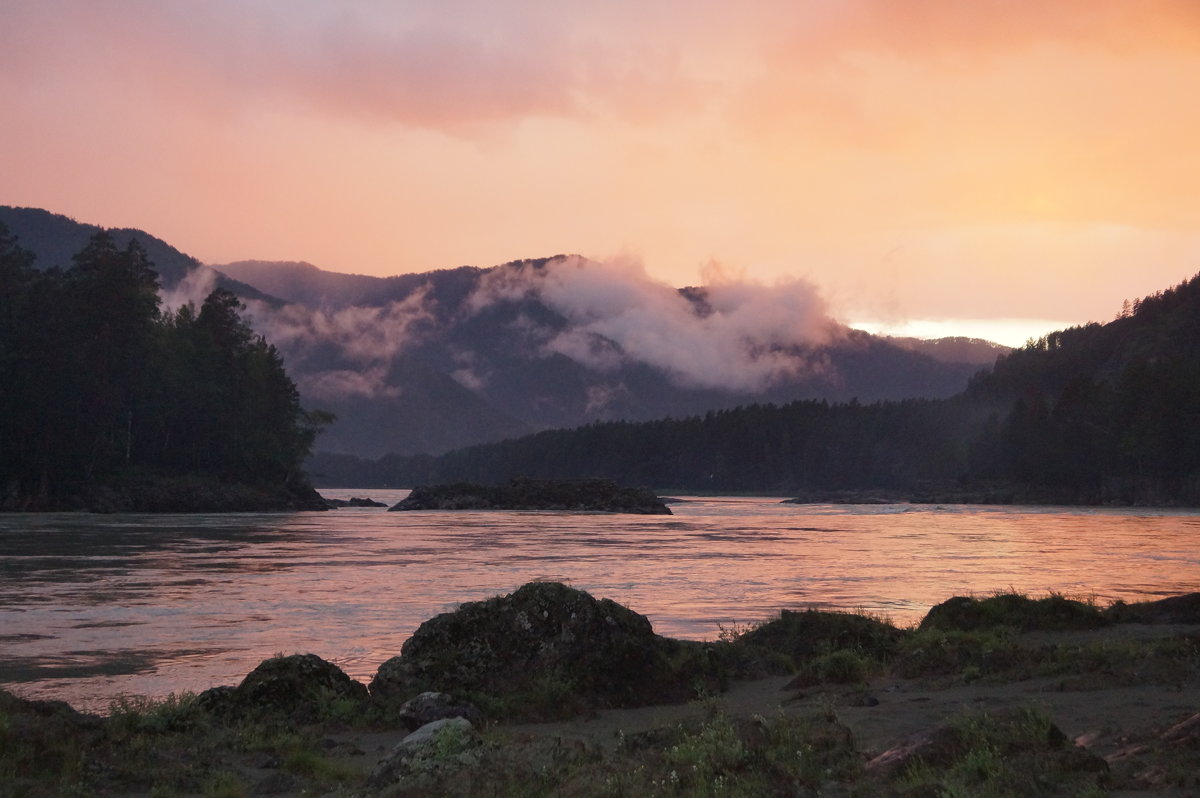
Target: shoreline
x,y
1113,681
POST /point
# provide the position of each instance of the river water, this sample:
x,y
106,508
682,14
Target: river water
x,y
92,607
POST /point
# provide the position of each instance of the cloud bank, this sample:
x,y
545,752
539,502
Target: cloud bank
x,y
737,335
734,334
364,335
364,340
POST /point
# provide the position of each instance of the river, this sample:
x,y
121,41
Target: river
x,y
96,606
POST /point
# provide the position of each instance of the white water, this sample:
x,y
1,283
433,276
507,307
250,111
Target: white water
x,y
92,607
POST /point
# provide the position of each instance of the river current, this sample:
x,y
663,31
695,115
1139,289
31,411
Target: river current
x,y
93,607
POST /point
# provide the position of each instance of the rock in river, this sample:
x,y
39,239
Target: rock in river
x,y
583,495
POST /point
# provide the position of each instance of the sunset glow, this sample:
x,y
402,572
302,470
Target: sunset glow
x,y
969,166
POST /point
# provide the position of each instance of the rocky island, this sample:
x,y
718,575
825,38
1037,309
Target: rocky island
x,y
570,495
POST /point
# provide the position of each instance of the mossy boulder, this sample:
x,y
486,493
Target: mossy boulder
x,y
811,633
544,649
301,687
582,495
1183,609
1054,613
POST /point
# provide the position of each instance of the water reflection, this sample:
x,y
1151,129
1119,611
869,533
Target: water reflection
x,y
93,606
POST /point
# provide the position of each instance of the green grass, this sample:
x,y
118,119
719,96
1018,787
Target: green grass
x,y
1019,753
971,654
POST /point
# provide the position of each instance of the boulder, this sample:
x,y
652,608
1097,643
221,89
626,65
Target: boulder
x,y
301,687
1052,612
24,716
545,644
801,635
430,706
585,495
426,753
1173,609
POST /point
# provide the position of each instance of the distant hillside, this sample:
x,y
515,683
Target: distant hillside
x,y
559,342
955,349
54,239
305,284
1095,414
428,363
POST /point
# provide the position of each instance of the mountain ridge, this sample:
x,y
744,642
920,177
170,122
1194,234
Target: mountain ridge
x,y
433,361
533,362
1095,414
55,238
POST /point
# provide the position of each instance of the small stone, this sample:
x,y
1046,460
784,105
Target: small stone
x,y
431,706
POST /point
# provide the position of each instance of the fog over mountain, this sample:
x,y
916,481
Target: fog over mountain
x,y
425,363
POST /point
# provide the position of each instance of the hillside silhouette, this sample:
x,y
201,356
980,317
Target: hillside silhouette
x,y
1102,413
433,362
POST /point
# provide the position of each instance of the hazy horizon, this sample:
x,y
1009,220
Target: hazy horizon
x,y
981,168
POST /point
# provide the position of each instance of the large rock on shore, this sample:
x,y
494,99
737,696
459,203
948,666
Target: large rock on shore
x,y
1183,609
584,495
802,635
545,649
301,687
1052,612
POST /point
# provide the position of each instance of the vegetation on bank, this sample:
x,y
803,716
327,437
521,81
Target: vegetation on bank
x,y
108,401
295,724
1093,414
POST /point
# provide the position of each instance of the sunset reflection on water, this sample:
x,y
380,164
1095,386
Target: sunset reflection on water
x,y
95,606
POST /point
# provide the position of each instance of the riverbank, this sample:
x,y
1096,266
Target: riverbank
x,y
1004,695
1148,495
162,493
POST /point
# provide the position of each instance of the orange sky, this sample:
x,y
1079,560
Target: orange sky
x,y
926,160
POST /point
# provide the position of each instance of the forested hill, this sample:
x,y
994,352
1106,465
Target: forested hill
x,y
436,361
1109,411
107,402
1100,413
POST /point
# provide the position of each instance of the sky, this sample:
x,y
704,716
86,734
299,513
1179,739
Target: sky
x,y
995,168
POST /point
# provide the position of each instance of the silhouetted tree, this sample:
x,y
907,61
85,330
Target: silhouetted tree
x,y
96,382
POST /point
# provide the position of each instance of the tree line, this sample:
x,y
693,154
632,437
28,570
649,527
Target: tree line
x,y
98,382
